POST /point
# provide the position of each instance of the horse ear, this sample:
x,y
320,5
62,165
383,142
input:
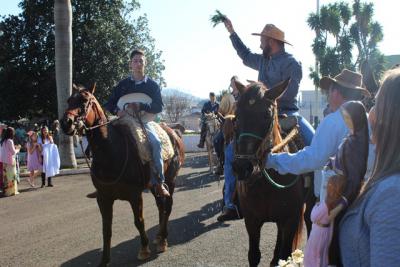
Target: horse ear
x,y
277,91
240,86
75,88
92,89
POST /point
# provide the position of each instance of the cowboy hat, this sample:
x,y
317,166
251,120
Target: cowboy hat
x,y
348,79
271,31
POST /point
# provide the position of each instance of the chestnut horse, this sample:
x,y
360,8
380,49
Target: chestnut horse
x,y
264,195
117,171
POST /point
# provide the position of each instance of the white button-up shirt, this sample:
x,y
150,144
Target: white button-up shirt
x,y
324,145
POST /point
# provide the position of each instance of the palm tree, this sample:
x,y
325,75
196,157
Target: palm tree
x,y
63,47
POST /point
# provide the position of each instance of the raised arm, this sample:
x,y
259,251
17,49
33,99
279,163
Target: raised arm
x,y
250,59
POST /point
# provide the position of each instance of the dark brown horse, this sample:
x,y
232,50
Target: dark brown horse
x,y
265,195
117,171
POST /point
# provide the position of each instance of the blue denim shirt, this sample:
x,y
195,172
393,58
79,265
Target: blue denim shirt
x,y
271,71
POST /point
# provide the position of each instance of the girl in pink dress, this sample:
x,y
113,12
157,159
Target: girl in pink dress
x,y
322,215
34,158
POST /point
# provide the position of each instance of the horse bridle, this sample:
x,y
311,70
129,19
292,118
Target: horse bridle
x,y
81,118
266,141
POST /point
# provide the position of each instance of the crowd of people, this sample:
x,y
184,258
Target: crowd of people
x,y
42,157
354,156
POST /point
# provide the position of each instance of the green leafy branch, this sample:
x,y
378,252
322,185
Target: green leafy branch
x,y
217,18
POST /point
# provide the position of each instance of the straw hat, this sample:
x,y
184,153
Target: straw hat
x,y
271,31
348,79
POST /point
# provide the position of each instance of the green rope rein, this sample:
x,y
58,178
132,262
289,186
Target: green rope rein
x,y
279,186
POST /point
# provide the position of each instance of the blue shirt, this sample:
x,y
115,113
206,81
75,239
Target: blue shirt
x,y
209,107
370,230
272,71
324,145
128,86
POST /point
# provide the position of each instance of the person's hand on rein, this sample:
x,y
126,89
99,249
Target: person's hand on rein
x,y
134,106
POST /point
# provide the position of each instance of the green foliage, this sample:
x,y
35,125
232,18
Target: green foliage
x,y
339,28
104,33
217,18
332,45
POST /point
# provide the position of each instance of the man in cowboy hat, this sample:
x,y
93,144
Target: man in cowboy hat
x,y
275,65
342,88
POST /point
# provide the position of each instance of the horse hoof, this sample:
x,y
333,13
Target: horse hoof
x,y
144,253
162,245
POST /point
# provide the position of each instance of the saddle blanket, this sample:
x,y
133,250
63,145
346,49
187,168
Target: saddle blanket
x,y
167,151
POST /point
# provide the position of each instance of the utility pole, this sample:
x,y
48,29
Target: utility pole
x,y
317,71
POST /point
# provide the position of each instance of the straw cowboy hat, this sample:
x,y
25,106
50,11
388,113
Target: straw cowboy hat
x,y
348,79
271,31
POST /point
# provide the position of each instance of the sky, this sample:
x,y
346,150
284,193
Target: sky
x,y
199,58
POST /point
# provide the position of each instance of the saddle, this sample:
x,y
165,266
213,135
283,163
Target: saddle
x,y
143,145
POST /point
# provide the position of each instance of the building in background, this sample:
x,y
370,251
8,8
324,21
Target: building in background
x,y
307,106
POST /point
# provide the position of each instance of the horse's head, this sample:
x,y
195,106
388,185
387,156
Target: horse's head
x,y
255,122
212,122
83,111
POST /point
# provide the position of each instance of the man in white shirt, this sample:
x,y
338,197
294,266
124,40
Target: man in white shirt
x,y
342,88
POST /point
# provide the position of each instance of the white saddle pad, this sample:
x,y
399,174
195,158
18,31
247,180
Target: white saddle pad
x,y
137,98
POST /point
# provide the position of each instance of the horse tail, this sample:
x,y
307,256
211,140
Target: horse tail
x,y
297,237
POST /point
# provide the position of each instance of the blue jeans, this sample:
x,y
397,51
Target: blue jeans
x,y
157,175
218,142
306,130
230,179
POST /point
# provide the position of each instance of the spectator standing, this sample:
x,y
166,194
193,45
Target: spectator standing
x,y
51,158
369,230
34,157
8,152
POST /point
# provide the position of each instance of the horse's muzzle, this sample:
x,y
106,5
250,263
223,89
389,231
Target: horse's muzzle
x,y
243,168
67,125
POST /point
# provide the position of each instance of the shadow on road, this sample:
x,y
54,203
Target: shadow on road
x,y
181,230
195,180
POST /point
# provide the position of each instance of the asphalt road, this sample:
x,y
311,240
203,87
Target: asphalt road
x,y
59,226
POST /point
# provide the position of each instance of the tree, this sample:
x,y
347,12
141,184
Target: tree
x,y
332,45
104,32
175,105
339,28
63,62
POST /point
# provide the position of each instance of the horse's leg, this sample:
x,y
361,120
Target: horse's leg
x,y
253,228
164,211
106,209
310,200
289,229
210,158
278,246
137,208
